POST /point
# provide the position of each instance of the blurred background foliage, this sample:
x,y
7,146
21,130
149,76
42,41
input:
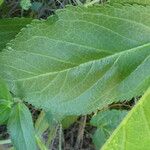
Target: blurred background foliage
x,y
35,8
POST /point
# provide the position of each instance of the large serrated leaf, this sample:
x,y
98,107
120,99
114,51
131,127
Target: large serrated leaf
x,y
9,28
134,131
81,59
20,127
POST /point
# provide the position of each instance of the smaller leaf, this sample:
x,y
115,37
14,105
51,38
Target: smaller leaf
x,y
5,102
4,92
20,127
41,124
25,4
99,138
133,133
68,121
5,109
106,122
46,120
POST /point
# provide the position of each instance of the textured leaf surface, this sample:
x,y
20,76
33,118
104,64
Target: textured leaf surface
x,y
9,28
21,129
81,59
144,2
106,122
5,102
134,131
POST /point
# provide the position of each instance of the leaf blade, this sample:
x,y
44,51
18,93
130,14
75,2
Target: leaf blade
x,y
82,72
129,128
5,102
4,92
106,122
21,129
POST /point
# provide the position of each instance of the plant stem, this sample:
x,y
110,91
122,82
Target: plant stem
x,y
60,135
40,143
79,141
2,142
51,135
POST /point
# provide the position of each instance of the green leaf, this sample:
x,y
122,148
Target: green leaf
x,y
20,127
81,59
68,121
1,1
99,138
5,102
134,131
45,120
106,122
5,109
9,28
4,92
41,124
48,120
25,4
143,2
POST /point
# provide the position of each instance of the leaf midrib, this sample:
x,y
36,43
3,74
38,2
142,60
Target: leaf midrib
x,y
22,131
107,57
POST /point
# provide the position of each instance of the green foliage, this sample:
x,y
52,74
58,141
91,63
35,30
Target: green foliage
x,y
1,1
5,108
133,132
4,92
81,59
68,121
25,4
5,102
75,62
19,119
106,122
9,28
143,2
45,121
21,129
